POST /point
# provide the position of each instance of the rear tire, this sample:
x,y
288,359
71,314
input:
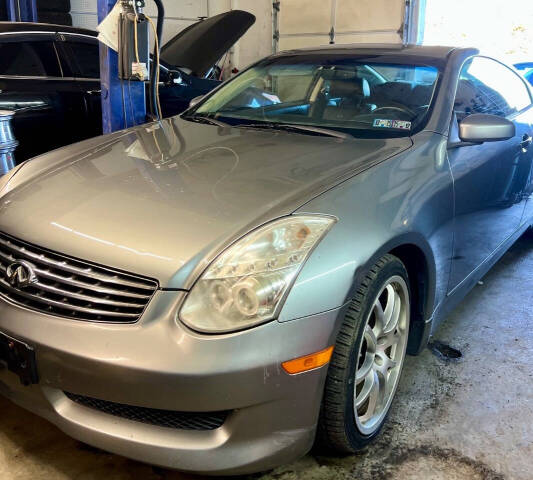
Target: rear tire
x,y
366,365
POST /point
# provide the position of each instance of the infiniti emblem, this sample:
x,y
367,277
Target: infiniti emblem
x,y
20,274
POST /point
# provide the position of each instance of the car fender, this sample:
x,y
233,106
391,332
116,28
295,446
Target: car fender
x,y
404,201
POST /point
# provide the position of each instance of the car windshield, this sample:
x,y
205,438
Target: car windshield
x,y
355,97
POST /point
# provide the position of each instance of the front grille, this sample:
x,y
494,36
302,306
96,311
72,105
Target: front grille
x,y
152,416
71,288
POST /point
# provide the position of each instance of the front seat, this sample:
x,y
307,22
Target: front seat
x,y
344,99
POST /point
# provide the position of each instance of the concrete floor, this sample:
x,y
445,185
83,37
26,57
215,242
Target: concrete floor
x,y
465,419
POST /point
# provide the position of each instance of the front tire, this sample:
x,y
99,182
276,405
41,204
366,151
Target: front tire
x,y
367,362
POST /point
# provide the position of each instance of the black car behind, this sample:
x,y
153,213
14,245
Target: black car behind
x,y
50,76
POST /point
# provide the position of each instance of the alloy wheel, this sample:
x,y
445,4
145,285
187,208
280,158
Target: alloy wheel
x,y
381,355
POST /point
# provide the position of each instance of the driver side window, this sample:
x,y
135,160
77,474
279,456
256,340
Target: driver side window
x,y
487,86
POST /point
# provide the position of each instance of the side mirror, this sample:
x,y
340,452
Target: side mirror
x,y
195,101
479,128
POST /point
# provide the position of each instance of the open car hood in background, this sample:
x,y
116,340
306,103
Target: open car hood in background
x,y
202,44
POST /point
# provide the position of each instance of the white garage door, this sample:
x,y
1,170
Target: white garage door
x,y
304,23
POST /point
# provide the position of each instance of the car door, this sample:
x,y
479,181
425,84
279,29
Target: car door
x,y
490,178
83,56
32,84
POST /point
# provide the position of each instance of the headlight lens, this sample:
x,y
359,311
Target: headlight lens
x,y
246,285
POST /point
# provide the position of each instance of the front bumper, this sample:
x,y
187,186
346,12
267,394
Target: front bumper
x,y
160,364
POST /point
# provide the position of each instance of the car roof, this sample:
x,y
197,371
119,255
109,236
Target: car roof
x,y
23,27
428,51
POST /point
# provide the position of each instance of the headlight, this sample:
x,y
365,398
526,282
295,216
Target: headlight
x,y
247,284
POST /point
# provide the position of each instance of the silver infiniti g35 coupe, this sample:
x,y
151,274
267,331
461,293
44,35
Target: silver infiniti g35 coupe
x,y
218,291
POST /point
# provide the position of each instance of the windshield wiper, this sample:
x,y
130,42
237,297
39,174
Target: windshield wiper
x,y
205,119
295,128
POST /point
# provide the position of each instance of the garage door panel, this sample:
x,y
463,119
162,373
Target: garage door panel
x,y
368,38
302,41
172,27
353,21
303,16
363,15
181,8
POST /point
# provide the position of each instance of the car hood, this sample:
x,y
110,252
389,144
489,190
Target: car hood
x,y
162,200
202,44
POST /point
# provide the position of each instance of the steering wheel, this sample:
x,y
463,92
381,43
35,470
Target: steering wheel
x,y
397,108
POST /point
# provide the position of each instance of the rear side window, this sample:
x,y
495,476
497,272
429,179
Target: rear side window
x,y
32,59
487,86
87,57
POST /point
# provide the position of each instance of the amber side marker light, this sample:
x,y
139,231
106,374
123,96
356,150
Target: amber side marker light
x,y
308,362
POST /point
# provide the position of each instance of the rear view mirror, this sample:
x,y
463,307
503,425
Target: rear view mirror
x,y
479,128
195,101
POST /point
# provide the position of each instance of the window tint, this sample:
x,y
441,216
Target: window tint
x,y
35,59
87,56
486,86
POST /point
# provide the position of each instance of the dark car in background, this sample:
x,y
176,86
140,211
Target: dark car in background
x,y
50,76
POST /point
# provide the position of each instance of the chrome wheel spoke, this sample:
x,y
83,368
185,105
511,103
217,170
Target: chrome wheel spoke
x,y
389,339
389,307
379,316
371,400
371,339
395,303
370,343
363,395
365,369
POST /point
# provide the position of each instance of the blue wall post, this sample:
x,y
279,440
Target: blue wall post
x,y
123,102
21,10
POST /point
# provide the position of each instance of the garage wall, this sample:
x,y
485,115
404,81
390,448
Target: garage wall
x,y
304,23
178,14
257,43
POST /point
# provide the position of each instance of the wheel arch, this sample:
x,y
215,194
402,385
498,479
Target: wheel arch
x,y
416,254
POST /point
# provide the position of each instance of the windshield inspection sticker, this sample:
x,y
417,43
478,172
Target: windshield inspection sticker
x,y
399,124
